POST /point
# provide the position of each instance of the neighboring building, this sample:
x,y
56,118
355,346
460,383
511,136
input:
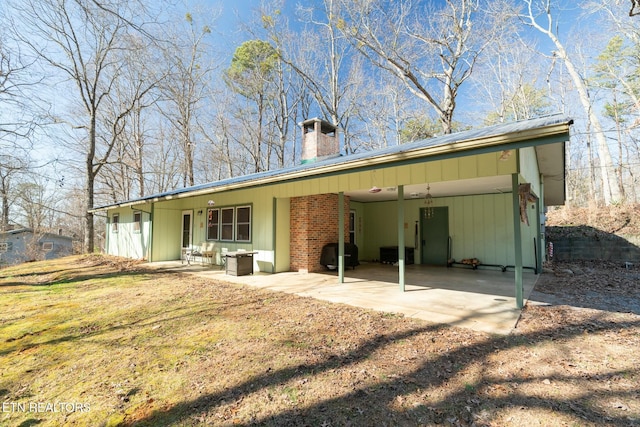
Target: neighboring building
x,y
22,245
474,194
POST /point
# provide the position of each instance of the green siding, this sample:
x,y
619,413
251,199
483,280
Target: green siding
x,y
480,226
482,165
529,169
361,236
168,215
126,242
283,235
166,231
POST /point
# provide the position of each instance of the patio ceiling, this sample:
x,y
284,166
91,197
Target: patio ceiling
x,y
550,161
466,187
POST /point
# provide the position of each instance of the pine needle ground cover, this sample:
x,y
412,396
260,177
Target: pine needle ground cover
x,y
102,341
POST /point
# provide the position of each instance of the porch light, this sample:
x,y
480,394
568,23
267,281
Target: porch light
x,y
428,203
374,189
211,203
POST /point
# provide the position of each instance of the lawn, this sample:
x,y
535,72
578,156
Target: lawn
x,y
96,340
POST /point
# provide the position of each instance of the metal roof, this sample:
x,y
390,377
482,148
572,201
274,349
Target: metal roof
x,y
491,136
17,231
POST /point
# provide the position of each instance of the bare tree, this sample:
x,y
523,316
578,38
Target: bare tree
x,y
539,16
165,170
124,173
252,66
184,88
80,42
10,167
431,57
289,88
326,63
508,85
15,125
229,133
33,205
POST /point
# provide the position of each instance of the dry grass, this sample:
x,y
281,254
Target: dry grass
x,y
131,346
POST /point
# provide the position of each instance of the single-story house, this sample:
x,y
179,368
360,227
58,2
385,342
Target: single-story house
x,y
477,195
24,244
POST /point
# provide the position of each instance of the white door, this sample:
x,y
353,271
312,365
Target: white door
x,y
187,223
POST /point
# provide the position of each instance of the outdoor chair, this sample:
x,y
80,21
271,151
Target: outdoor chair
x,y
207,252
187,254
223,258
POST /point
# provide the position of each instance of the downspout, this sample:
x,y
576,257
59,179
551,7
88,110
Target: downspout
x,y
107,235
150,247
401,250
144,248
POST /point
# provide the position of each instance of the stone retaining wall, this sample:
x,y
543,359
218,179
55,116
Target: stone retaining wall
x,y
584,245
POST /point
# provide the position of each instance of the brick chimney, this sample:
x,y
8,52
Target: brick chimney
x,y
319,140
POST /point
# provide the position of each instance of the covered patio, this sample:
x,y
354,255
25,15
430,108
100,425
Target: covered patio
x,y
481,299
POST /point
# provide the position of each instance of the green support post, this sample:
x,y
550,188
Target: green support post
x,y
401,251
517,240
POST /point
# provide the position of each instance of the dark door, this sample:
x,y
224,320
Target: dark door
x,y
352,227
434,236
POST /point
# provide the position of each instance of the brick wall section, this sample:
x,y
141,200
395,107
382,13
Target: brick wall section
x,y
314,223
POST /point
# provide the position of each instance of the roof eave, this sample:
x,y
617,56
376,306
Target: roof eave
x,y
474,144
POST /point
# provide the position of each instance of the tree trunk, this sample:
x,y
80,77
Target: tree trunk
x,y
610,190
5,205
89,190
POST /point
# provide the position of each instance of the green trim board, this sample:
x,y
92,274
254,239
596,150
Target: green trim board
x,y
480,226
517,241
401,238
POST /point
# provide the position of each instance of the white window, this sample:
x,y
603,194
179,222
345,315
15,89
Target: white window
x,y
213,224
137,222
47,246
115,220
230,224
227,224
5,246
243,223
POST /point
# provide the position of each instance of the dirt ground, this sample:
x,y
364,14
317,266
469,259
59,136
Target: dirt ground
x,y
175,349
572,360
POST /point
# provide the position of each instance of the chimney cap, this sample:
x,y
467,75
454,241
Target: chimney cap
x,y
325,126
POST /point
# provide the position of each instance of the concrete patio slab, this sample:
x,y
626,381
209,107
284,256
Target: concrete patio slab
x,y
482,300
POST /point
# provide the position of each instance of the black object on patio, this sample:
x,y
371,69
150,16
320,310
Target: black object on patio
x,y
329,256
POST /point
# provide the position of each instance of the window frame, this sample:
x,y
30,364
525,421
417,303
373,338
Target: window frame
x,y
227,229
47,246
211,226
353,218
115,221
237,224
224,224
137,223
